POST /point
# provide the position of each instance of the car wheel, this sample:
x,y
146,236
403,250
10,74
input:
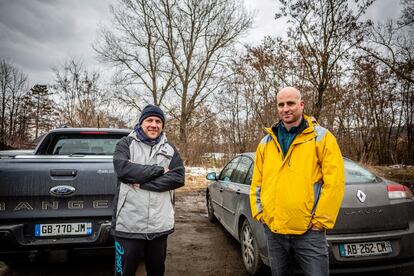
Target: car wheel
x,y
210,209
250,250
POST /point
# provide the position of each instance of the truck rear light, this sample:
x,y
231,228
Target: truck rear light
x,y
398,191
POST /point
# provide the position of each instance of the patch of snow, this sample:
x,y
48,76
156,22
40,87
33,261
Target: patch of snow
x,y
199,171
401,166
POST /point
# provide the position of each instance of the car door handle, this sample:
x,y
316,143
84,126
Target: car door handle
x,y
221,190
238,191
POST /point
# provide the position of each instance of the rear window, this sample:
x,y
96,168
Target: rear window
x,y
84,144
354,173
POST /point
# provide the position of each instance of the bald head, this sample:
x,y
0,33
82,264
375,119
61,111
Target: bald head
x,y
290,91
290,106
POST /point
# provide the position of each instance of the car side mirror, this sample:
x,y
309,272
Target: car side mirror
x,y
211,176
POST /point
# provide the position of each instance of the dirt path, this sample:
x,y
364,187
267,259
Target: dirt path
x,y
199,247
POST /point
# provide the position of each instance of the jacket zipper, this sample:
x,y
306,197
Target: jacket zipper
x,y
149,198
290,157
148,216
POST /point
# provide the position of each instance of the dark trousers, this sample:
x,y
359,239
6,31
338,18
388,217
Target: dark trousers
x,y
309,251
129,252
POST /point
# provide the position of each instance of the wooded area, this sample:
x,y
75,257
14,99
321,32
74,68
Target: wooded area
x,y
356,77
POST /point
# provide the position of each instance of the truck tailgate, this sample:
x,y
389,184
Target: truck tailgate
x,y
52,200
56,187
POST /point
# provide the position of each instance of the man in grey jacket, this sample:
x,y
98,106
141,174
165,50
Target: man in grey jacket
x,y
148,168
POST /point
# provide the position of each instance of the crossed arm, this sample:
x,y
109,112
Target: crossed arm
x,y
150,177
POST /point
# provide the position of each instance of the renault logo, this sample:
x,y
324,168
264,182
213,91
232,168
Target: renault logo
x,y
361,196
62,191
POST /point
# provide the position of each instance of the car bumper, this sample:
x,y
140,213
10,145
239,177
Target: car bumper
x,y
13,239
402,254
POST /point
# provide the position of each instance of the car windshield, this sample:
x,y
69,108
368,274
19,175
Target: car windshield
x,y
354,173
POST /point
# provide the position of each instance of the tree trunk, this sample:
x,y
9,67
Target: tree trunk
x,y
319,102
183,137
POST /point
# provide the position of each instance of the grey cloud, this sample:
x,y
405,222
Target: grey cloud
x,y
40,34
37,20
384,9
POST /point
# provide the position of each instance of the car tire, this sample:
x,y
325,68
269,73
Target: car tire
x,y
250,250
210,209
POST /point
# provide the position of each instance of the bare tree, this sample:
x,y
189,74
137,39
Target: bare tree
x,y
237,125
261,72
247,102
198,35
407,16
176,46
323,33
42,108
372,126
392,43
202,139
22,134
81,101
135,48
12,89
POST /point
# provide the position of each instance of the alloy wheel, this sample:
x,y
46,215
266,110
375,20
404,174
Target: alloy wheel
x,y
247,244
250,250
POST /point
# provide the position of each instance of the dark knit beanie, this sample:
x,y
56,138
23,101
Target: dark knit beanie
x,y
152,110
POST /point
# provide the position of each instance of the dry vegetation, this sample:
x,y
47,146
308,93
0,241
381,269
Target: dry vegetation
x,y
194,183
399,173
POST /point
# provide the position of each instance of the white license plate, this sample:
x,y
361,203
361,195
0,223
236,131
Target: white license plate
x,y
365,249
63,229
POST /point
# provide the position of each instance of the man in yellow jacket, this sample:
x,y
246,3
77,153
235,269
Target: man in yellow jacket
x,y
297,188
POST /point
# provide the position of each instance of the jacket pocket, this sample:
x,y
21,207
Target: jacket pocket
x,y
164,156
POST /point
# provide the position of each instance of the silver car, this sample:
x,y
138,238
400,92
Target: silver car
x,y
374,229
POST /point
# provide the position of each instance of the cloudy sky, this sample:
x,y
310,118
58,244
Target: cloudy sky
x,y
37,35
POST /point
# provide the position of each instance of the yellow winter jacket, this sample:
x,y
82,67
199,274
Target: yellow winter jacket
x,y
307,186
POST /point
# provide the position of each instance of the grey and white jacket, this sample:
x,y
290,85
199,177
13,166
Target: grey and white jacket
x,y
146,212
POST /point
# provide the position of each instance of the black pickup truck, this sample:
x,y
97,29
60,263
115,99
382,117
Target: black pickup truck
x,y
60,196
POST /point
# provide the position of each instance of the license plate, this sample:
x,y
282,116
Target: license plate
x,y
365,249
63,229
